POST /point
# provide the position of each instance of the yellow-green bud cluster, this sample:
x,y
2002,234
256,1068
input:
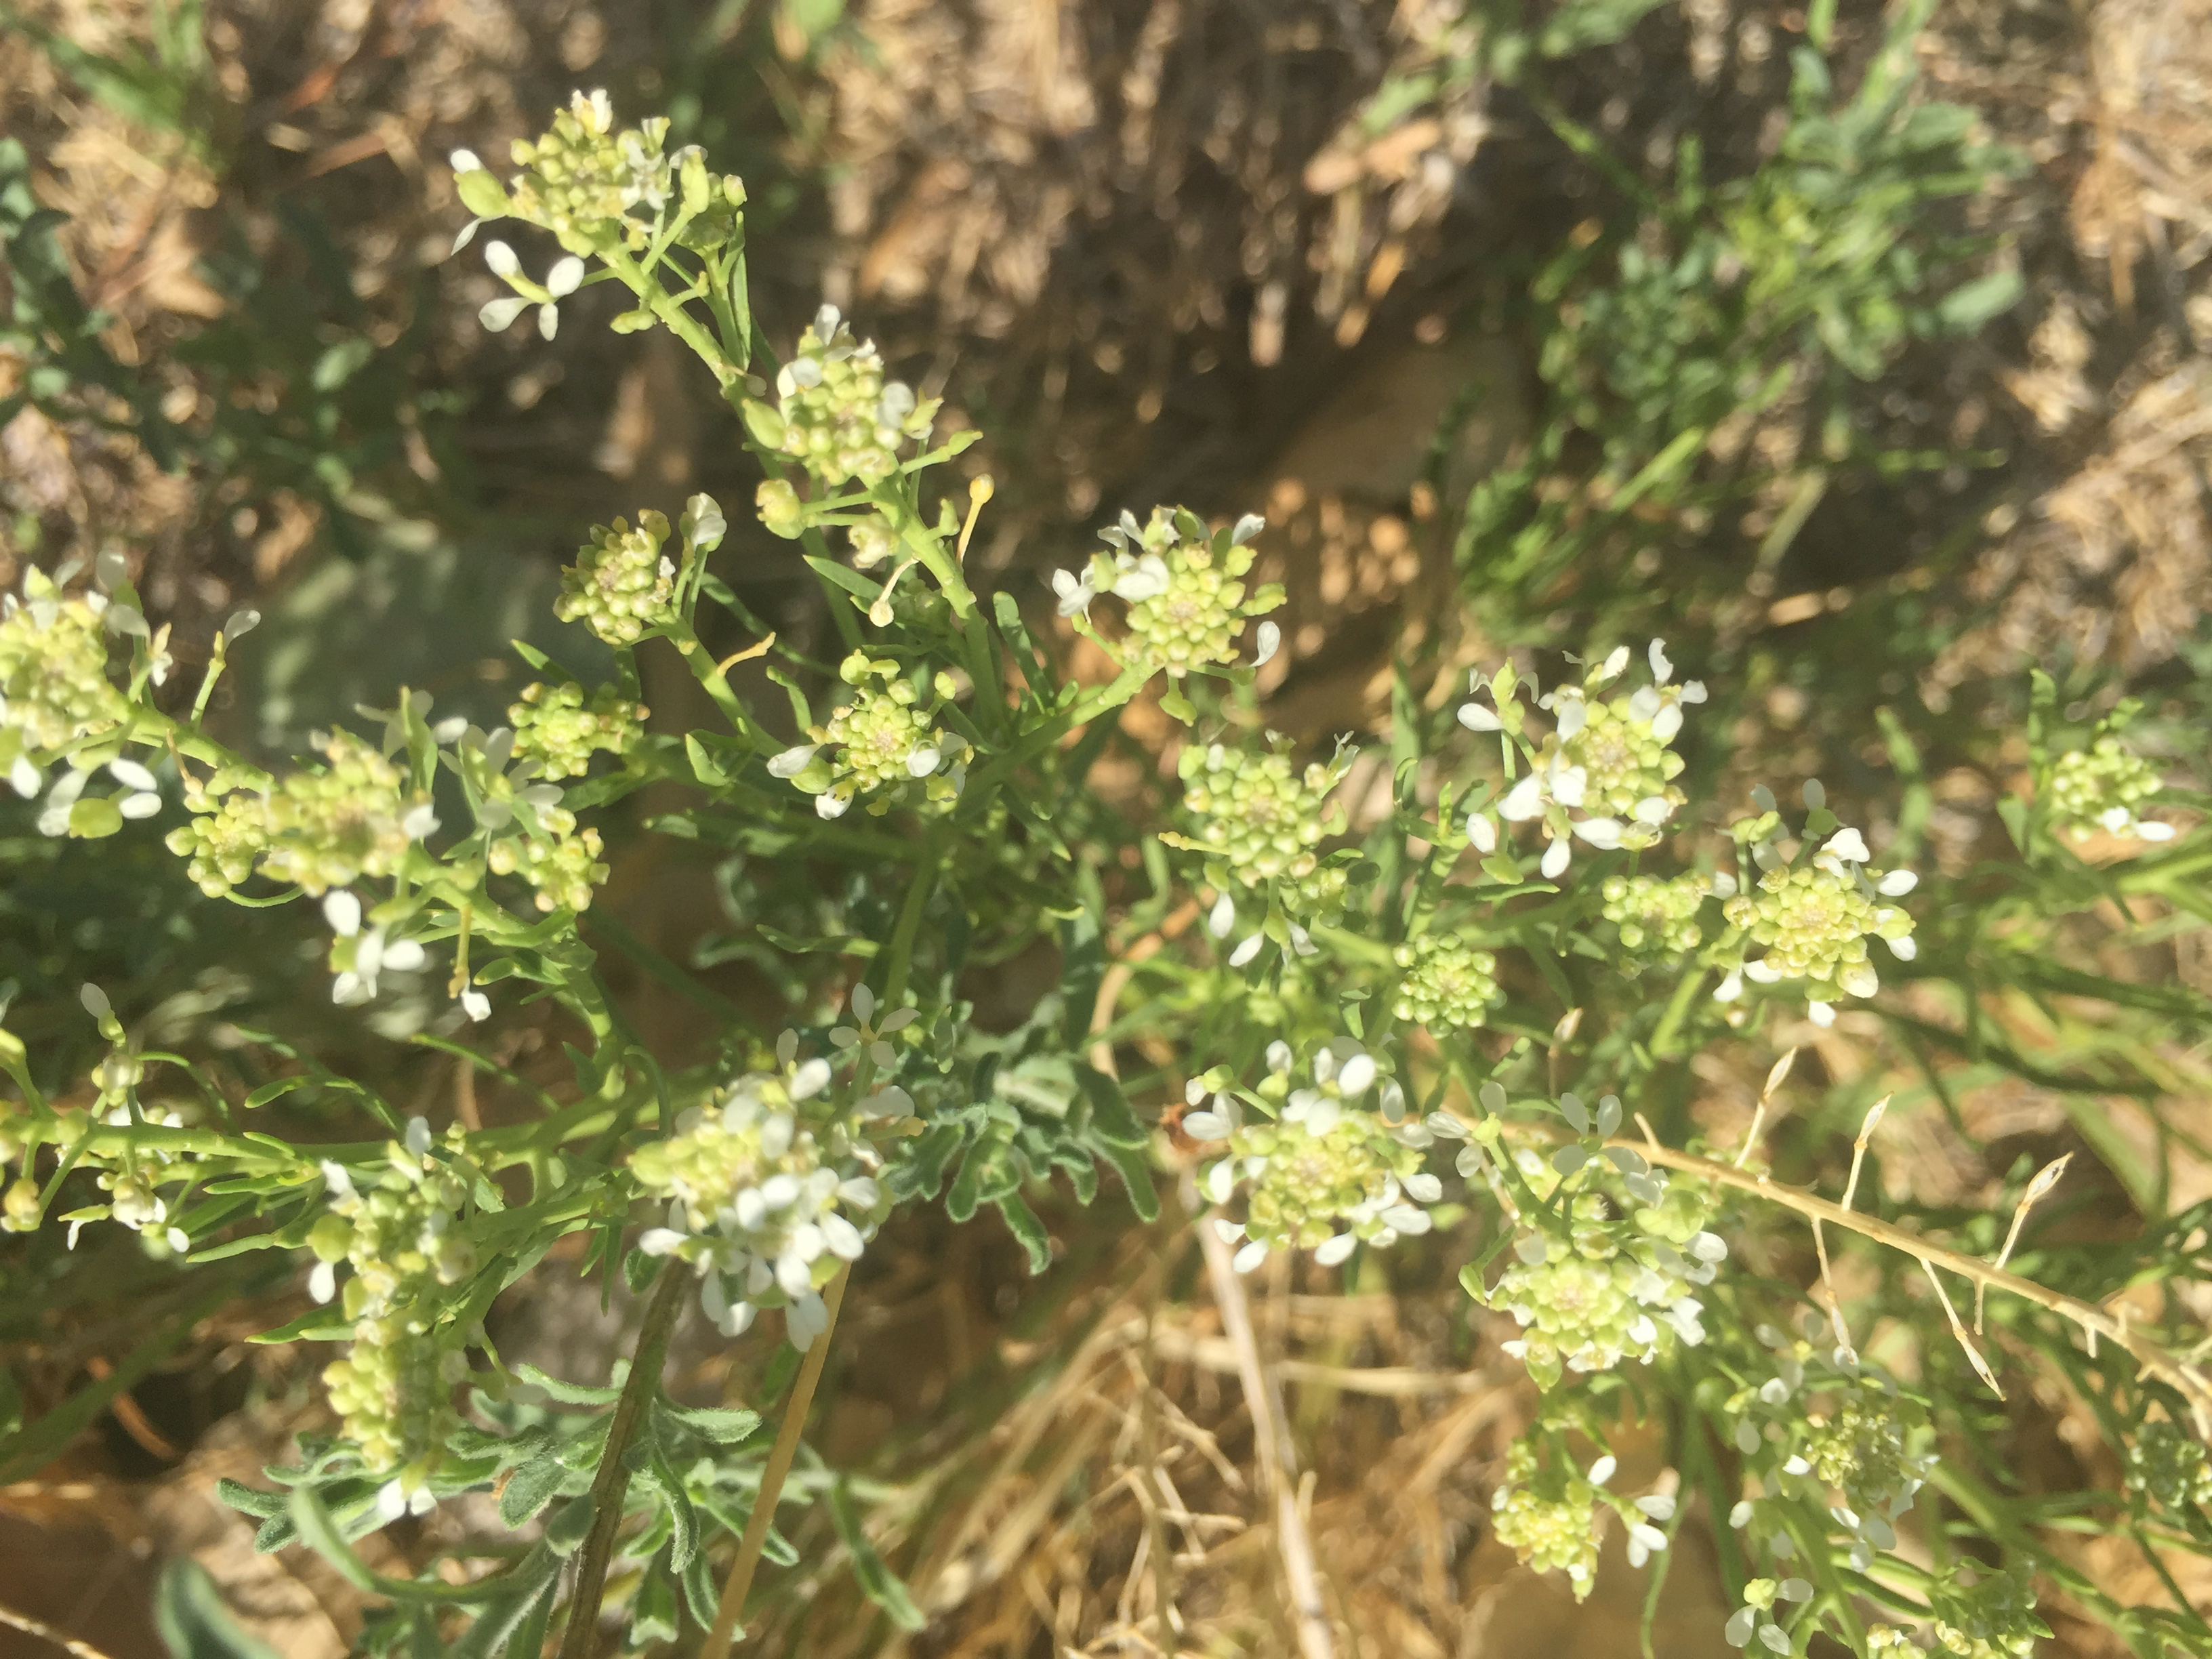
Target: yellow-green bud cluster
x,y
1883,1640
1187,600
321,828
1991,1615
841,419
1309,1187
2167,1467
393,1387
1814,921
555,727
1448,983
582,177
1261,822
621,585
562,863
1552,1524
878,744
1656,913
1861,1448
1609,1291
54,687
2100,787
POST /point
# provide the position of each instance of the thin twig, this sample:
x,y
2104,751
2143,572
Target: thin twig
x,y
2045,1178
2185,1379
1277,1457
30,1626
738,1585
581,1637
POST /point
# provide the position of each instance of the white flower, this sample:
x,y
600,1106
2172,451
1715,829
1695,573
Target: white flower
x,y
1269,642
1076,590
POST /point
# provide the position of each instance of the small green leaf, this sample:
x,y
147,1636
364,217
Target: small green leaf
x,y
193,1620
877,1581
531,1488
1022,1222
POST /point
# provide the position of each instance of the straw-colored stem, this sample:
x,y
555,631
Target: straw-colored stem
x,y
738,1585
2187,1380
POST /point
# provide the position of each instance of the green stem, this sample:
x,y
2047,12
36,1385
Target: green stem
x,y
708,674
581,1637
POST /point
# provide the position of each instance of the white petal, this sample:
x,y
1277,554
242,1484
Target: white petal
x,y
566,277
1847,845
498,315
1615,661
24,777
1270,641
1523,801
1650,1537
660,1241
1476,718
1822,1013
1601,1471
1358,1074
1903,948
1667,721
404,956
1220,1181
1424,1188
323,1282
1222,917
810,1080
1205,1126
1662,670
1897,883
1601,833
391,1501
2154,830
1555,860
1245,951
1481,832
804,1319
139,805
1330,1251
1250,1257
502,259
548,321
130,773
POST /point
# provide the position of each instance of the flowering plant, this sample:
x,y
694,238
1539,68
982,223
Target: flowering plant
x,y
1424,992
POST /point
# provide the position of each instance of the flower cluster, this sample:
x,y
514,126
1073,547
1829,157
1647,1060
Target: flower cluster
x,y
1618,1280
2168,1470
1185,589
581,178
879,744
1756,1616
1604,774
54,687
1812,916
395,1230
1655,913
837,415
1325,1173
557,729
1826,1420
320,828
1448,983
562,862
1260,824
764,1206
1552,1520
622,586
1986,1615
2100,787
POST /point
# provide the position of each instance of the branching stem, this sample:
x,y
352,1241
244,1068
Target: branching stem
x,y
581,1639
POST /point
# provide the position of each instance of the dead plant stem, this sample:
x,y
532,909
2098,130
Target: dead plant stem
x,y
739,1585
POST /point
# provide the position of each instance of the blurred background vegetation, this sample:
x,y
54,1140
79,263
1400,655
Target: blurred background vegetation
x,y
1865,355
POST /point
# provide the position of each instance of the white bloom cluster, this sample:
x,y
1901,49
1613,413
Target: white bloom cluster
x,y
1325,1172
1812,915
1186,590
764,1206
1604,774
